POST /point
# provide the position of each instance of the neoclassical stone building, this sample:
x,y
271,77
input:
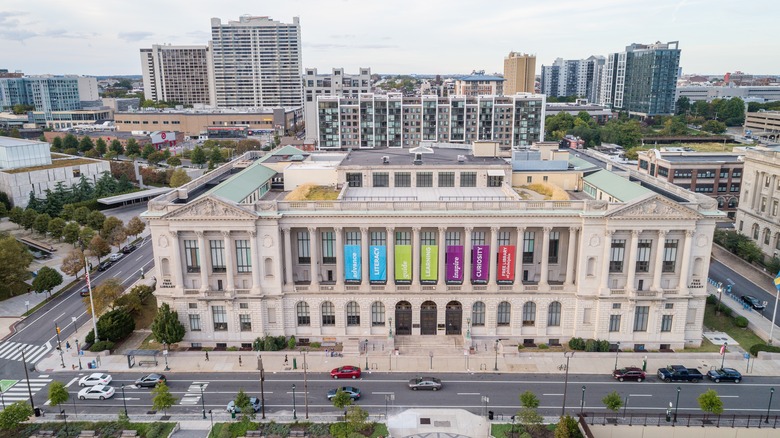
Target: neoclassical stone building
x,y
440,247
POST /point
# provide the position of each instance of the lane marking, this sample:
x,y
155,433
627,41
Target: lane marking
x,y
468,393
75,379
728,396
553,394
382,393
640,395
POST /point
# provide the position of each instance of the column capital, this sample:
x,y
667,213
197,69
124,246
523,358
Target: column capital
x,y
338,229
689,233
390,229
468,229
442,229
252,233
312,229
547,230
364,229
173,233
226,234
416,229
200,234
286,229
662,233
609,233
635,233
494,229
573,229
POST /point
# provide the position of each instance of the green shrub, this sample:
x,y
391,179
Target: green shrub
x,y
754,349
281,342
101,346
712,300
591,345
269,344
115,325
740,321
231,349
291,343
544,347
726,310
603,345
577,344
315,345
155,430
520,347
318,429
90,339
258,344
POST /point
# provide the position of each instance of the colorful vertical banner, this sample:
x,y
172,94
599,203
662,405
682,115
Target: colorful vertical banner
x,y
352,266
403,262
480,262
506,263
429,263
455,263
378,263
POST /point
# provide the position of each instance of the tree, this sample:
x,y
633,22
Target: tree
x,y
166,326
56,227
147,150
179,177
356,418
3,210
28,219
73,263
16,215
86,144
81,215
675,126
173,161
341,400
567,428
132,149
103,297
98,247
100,146
95,220
162,399
13,415
70,234
198,156
714,127
135,226
58,394
683,105
41,223
15,260
67,212
116,147
613,401
710,403
115,325
15,133
529,400
216,156
244,405
56,144
155,157
110,224
85,236
46,280
70,142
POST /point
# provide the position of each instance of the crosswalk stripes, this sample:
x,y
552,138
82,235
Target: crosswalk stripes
x,y
192,397
19,391
32,353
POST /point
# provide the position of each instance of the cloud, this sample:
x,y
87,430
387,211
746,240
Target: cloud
x,y
327,46
134,36
345,36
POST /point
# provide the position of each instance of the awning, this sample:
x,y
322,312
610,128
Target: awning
x,y
496,172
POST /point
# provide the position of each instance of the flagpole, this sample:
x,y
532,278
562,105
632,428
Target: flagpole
x,y
92,305
777,297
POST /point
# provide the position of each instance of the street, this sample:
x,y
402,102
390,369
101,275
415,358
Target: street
x,y
741,286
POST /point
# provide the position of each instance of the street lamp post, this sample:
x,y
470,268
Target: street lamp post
x,y
365,348
495,367
65,419
295,415
75,329
769,406
27,376
723,356
388,398
617,351
78,353
677,404
262,379
430,354
582,401
306,386
124,400
568,356
390,326
212,418
165,355
720,295
202,402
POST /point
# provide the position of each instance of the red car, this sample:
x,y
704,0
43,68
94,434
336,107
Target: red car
x,y
629,373
346,372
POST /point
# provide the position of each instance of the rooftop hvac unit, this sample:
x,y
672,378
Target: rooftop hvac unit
x,y
417,159
461,158
385,159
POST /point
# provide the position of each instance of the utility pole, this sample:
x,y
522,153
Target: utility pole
x,y
27,376
305,386
262,379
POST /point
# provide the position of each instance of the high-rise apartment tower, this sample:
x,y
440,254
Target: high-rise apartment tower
x,y
519,72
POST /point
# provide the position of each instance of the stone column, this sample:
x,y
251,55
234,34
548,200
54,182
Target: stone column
x,y
204,264
390,239
519,259
772,185
178,276
545,262
415,256
493,255
255,262
757,183
686,262
570,256
366,256
229,264
467,256
632,253
315,257
339,258
605,259
659,260
442,273
288,264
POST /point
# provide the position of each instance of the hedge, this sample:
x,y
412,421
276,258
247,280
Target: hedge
x,y
763,347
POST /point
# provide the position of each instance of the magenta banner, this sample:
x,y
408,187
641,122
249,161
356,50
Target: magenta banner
x,y
480,262
455,263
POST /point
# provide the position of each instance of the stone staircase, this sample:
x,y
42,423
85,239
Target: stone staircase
x,y
441,345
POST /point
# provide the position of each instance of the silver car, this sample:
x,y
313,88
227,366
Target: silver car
x,y
431,383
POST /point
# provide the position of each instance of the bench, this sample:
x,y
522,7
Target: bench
x,y
147,362
44,433
297,433
328,344
129,433
87,433
254,433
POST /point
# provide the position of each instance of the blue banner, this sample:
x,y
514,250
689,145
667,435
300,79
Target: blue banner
x,y
352,265
378,256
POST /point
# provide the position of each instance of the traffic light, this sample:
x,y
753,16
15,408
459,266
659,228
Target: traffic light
x,y
58,329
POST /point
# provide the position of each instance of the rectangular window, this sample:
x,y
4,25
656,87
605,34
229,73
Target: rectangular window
x,y
669,306
382,179
217,255
245,321
192,255
355,179
478,315
614,323
378,238
468,179
617,252
640,318
377,316
243,305
446,179
428,238
495,181
670,255
503,238
555,238
616,306
643,255
352,237
194,323
424,179
452,238
220,318
192,305
666,323
403,179
243,258
328,247
303,247
502,318
528,247
403,238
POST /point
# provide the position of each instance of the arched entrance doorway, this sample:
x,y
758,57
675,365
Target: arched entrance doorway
x,y
454,317
428,318
403,318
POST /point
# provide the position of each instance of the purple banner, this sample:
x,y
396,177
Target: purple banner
x,y
455,263
480,262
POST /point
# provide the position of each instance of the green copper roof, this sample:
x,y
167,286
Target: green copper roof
x,y
286,150
616,186
242,184
580,163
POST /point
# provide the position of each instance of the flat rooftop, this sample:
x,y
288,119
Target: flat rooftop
x,y
426,194
701,158
405,157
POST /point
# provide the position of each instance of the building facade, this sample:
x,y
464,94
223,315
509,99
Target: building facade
x,y
758,216
473,262
763,124
180,74
336,83
573,77
479,85
49,93
391,120
642,79
757,93
520,73
257,62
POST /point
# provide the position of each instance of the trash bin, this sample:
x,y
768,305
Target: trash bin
x,y
233,414
89,365
37,412
295,364
490,415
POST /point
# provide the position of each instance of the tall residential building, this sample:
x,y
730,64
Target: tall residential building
x,y
519,72
642,79
179,74
49,93
395,121
257,62
335,83
573,77
479,85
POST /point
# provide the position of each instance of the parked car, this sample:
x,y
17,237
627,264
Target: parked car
x,y
753,302
105,265
431,383
354,393
95,379
150,380
115,257
253,401
679,373
345,372
99,392
127,249
629,373
84,292
725,374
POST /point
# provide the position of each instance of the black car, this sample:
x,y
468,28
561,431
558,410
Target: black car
x,y
150,380
753,302
105,265
84,292
725,374
127,249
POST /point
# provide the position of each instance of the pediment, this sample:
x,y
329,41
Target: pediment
x,y
654,208
211,207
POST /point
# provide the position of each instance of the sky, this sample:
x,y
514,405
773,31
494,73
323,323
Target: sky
x,y
103,37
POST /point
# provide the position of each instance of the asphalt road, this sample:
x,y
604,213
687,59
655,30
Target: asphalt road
x,y
37,334
742,286
460,390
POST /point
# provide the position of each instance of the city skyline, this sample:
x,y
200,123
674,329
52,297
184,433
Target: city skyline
x,y
48,37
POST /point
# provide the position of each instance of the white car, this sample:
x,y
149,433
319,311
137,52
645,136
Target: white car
x,y
95,379
115,256
100,392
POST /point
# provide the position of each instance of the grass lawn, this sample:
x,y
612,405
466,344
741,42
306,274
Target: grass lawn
x,y
239,428
144,318
745,337
706,347
103,428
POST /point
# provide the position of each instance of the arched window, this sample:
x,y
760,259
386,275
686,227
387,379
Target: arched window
x,y
504,313
377,313
353,314
529,313
478,314
733,203
554,314
767,236
328,314
721,202
302,309
755,231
